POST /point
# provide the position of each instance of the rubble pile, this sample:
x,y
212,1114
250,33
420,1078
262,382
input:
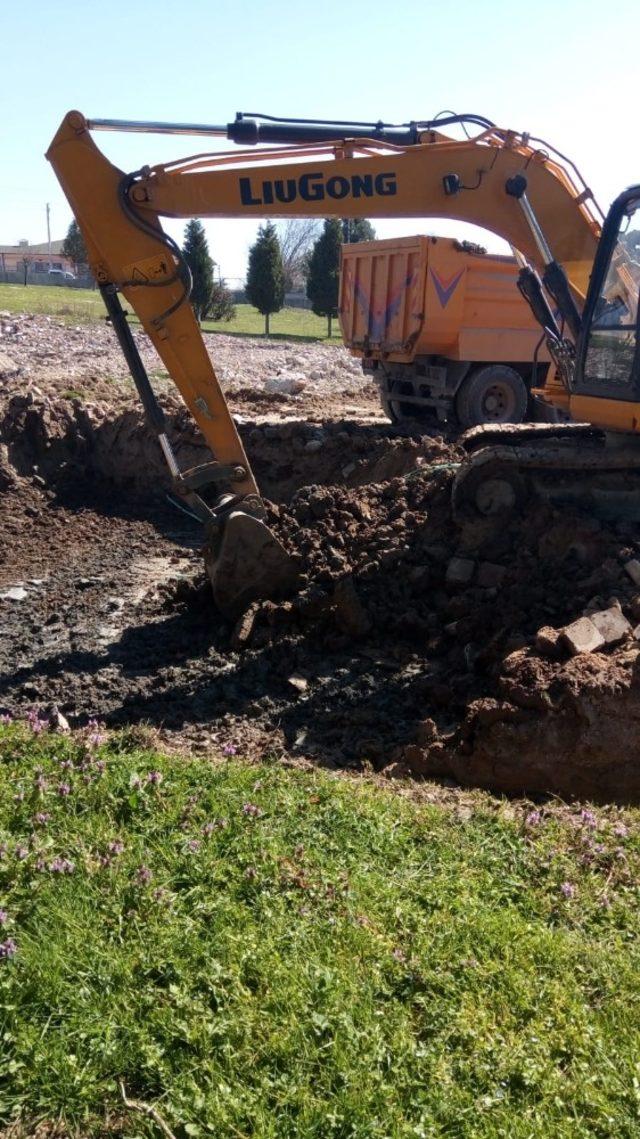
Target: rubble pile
x,y
84,361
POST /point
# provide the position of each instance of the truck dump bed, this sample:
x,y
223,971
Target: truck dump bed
x,y
424,296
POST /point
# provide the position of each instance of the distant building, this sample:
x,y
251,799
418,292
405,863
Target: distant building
x,y
12,258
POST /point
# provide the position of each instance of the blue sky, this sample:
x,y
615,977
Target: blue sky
x,y
559,70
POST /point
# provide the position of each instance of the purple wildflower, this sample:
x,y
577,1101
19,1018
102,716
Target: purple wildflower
x,y
41,865
567,889
21,852
251,873
533,819
135,782
41,818
154,777
116,847
62,866
621,830
8,949
144,875
66,764
6,718
96,735
252,810
193,846
159,894
35,723
229,749
214,825
41,782
4,917
64,789
104,860
588,819
101,766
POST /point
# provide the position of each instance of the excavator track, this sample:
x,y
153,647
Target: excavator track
x,y
515,434
570,465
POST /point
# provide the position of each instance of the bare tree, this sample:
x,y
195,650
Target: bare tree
x,y
297,237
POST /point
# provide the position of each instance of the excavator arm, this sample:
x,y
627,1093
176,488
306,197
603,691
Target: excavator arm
x,y
502,181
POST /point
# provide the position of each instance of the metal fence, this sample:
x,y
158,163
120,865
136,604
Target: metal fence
x,y
17,277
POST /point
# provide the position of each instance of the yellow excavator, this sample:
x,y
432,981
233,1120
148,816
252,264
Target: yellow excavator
x,y
578,272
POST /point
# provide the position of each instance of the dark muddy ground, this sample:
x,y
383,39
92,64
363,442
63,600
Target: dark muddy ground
x,y
382,659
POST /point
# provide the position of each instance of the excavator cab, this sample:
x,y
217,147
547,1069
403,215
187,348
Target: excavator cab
x,y
608,360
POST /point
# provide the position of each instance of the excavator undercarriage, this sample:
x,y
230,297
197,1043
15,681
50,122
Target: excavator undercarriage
x,y
572,465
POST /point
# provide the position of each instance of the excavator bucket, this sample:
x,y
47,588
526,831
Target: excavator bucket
x,y
245,562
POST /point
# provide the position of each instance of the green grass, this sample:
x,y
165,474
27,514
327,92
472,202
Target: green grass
x,y
79,306
74,305
282,953
289,324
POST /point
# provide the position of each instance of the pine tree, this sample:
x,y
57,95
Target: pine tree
x,y
357,229
73,246
324,272
198,258
265,276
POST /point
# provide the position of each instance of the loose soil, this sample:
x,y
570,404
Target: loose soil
x,y
381,659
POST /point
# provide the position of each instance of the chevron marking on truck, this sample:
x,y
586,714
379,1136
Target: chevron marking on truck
x,y
378,319
445,287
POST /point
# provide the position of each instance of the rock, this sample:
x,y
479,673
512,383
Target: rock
x,y
243,629
490,575
582,636
291,384
16,593
57,722
611,624
460,571
314,445
351,614
633,569
548,641
298,682
8,367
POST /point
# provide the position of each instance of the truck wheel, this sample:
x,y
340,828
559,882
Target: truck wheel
x,y
401,412
495,394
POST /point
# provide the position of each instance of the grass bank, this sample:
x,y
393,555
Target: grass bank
x,y
82,306
261,951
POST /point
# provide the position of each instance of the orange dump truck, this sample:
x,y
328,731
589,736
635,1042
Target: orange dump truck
x,y
441,325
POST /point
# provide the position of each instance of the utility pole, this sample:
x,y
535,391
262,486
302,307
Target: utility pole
x,y
49,232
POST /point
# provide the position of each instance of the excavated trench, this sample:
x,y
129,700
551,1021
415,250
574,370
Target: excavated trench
x,y
389,655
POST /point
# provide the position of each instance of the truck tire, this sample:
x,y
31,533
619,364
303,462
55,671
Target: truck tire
x,y
401,412
493,394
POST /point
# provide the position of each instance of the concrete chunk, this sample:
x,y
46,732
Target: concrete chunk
x,y
460,571
611,624
582,636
